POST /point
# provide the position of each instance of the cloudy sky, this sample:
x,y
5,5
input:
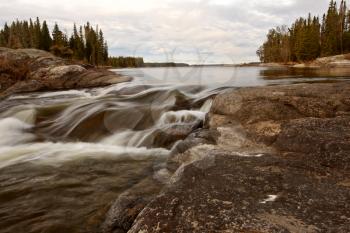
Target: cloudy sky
x,y
193,31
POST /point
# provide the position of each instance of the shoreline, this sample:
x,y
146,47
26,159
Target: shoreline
x,y
29,70
338,62
266,172
265,159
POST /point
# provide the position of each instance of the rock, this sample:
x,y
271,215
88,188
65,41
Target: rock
x,y
129,204
332,62
324,141
279,163
26,70
248,194
198,137
122,213
309,119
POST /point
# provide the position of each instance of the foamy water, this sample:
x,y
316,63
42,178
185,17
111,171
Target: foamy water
x,y
66,155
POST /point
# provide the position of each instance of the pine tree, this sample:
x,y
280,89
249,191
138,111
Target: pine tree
x,y
45,41
81,45
100,48
331,38
87,44
342,20
308,38
32,33
57,36
14,37
105,53
37,34
25,34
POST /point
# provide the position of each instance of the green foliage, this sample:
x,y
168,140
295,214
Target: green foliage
x,y
45,39
86,45
308,39
125,62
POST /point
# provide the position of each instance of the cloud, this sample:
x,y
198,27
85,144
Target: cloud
x,y
194,31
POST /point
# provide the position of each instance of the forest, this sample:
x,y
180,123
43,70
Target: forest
x,y
85,44
123,62
309,38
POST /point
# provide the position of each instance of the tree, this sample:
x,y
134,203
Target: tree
x,y
57,36
45,41
37,34
308,39
331,38
87,44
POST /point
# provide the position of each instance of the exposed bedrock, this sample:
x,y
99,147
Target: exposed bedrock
x,y
26,70
280,163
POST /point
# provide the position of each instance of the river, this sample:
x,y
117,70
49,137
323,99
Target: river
x,y
65,156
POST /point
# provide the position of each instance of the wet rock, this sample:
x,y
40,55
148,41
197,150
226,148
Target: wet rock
x,y
167,136
279,163
25,70
198,137
233,193
122,214
126,208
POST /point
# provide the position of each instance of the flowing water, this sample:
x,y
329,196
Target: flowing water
x,y
65,156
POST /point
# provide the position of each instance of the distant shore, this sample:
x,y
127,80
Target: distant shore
x,y
338,61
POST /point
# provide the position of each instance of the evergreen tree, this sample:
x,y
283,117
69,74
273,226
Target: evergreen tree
x,y
31,31
87,44
57,36
342,20
37,34
331,37
100,48
14,37
45,41
25,34
308,39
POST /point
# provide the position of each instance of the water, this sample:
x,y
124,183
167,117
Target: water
x,y
66,156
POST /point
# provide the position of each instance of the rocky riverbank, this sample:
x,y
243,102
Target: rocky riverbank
x,y
335,63
272,159
26,70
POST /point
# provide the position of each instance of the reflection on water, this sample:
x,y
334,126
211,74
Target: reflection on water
x,y
308,74
234,76
66,155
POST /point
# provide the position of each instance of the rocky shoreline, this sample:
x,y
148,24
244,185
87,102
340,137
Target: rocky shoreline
x,y
340,62
268,159
27,70
271,159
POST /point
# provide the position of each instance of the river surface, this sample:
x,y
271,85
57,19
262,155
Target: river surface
x,y
65,156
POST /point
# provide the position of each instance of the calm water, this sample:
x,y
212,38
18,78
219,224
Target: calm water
x,y
232,76
66,156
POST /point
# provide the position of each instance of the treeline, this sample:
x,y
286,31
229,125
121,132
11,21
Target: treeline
x,y
308,39
85,44
165,64
125,62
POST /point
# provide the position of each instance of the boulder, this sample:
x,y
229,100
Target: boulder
x,y
27,70
279,163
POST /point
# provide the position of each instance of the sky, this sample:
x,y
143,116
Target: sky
x,y
191,31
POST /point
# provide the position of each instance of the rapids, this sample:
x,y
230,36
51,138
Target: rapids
x,y
65,156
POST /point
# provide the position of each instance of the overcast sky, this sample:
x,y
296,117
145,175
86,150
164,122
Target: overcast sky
x,y
193,31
